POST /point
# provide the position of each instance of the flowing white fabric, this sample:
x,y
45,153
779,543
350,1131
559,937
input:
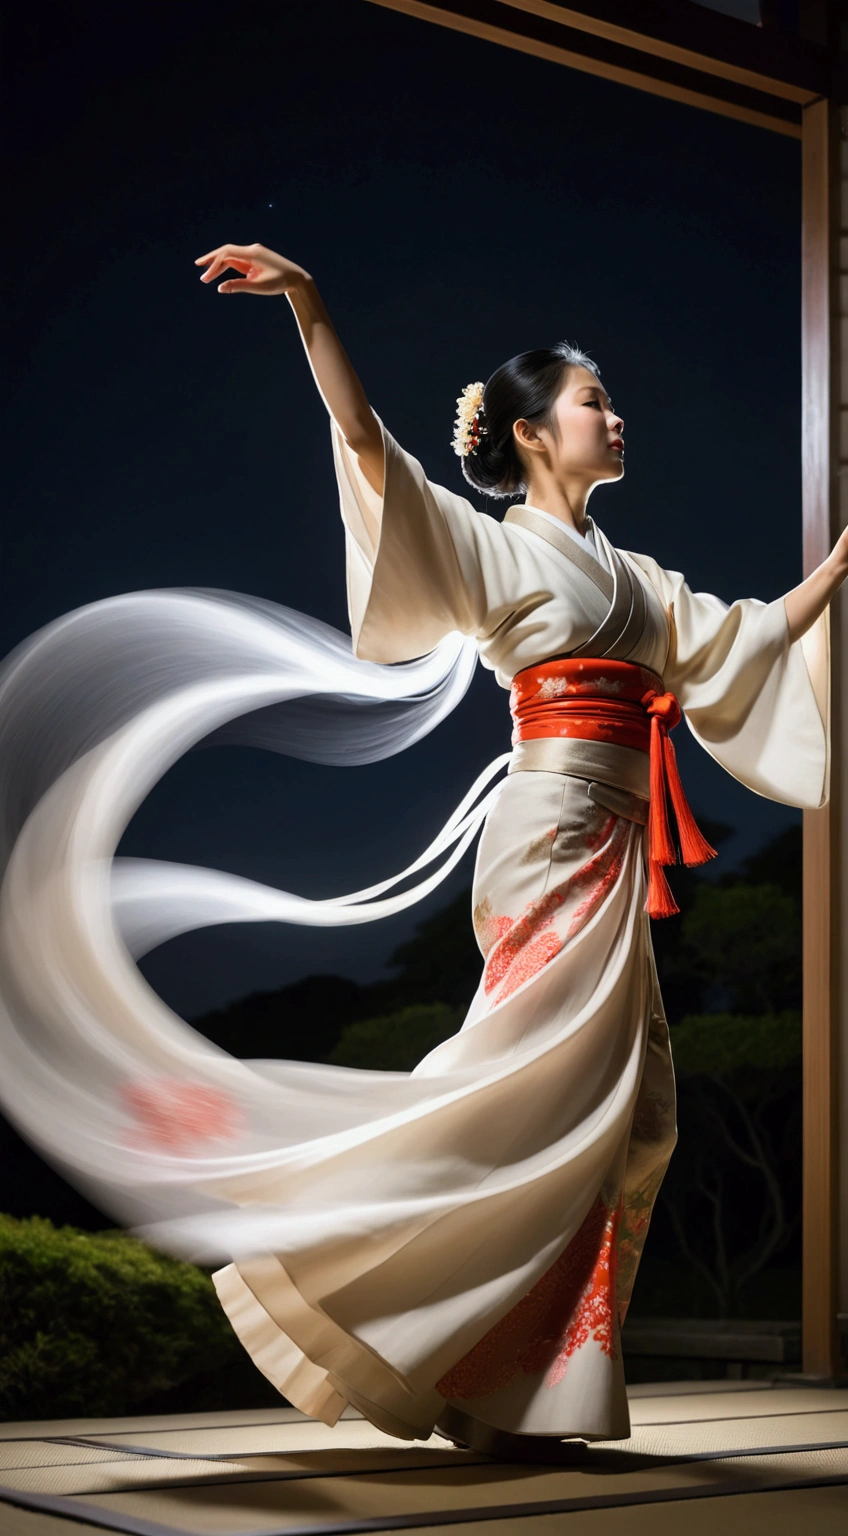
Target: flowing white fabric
x,y
93,710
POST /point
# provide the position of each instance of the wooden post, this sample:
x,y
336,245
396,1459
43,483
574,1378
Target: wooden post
x,y
822,847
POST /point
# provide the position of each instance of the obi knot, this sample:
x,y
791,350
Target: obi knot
x,y
623,703
665,705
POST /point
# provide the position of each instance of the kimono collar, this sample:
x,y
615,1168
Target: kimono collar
x,y
588,538
620,630
573,548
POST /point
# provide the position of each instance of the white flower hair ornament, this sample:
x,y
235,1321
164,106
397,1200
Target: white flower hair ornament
x,y
469,426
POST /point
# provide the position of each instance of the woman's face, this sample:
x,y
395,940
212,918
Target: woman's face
x,y
586,441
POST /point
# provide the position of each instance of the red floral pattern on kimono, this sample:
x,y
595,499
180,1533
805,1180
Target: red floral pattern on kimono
x,y
572,1303
526,945
599,876
517,949
176,1115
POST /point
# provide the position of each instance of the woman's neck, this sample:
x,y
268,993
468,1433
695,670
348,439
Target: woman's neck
x,y
568,505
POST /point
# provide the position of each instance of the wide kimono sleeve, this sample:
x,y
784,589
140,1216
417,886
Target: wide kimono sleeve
x,y
416,557
755,701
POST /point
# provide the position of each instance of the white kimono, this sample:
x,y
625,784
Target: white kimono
x,y
469,1260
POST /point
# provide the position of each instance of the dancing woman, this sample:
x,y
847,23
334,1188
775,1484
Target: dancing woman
x,y
456,1247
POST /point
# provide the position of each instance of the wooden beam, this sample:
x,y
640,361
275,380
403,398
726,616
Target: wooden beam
x,y
739,52
502,22
821,828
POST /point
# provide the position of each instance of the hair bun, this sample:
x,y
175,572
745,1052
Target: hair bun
x,y
491,469
525,388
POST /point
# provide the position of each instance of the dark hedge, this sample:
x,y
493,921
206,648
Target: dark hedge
x,y
93,1324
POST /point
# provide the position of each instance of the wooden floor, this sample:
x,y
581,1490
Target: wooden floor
x,y
705,1459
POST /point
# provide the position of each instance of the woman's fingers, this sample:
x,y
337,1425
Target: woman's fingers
x,y
243,251
262,270
212,271
222,263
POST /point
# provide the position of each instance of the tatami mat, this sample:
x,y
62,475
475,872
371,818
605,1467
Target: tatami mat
x,y
47,1453
811,1512
26,1522
275,1473
733,1405
306,1435
815,1511
123,1474
715,1437
120,1473
359,1448
313,1503
639,1389
664,1437
37,1429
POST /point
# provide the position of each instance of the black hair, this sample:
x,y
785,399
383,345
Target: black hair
x,y
525,387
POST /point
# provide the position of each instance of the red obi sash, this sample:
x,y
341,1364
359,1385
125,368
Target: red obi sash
x,y
619,702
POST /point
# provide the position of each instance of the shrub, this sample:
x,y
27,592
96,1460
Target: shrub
x,y
730,1044
91,1324
744,941
396,1042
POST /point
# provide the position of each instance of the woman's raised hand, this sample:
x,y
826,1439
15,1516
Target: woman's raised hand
x,y
263,271
840,552
804,603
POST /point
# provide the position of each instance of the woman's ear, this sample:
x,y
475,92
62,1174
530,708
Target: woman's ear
x,y
527,437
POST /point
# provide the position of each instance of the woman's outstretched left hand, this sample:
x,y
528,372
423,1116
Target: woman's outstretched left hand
x,y
805,603
840,551
263,271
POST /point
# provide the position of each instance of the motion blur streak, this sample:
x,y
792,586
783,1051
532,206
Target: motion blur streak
x,y
134,1105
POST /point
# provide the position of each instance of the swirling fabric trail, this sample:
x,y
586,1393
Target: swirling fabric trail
x,y
93,711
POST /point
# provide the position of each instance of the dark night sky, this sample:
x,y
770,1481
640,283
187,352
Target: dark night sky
x,y
457,203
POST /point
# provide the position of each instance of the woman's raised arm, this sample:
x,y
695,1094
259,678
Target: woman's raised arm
x,y
266,273
806,602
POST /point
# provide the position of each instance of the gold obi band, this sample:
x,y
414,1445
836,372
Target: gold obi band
x,y
618,777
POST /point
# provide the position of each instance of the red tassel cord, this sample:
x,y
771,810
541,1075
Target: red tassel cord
x,y
693,844
659,834
660,902
665,714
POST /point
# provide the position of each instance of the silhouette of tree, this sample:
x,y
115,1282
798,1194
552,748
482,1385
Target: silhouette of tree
x,y
730,1193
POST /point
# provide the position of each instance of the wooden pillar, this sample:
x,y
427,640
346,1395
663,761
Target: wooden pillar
x,y
824,897
840,629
